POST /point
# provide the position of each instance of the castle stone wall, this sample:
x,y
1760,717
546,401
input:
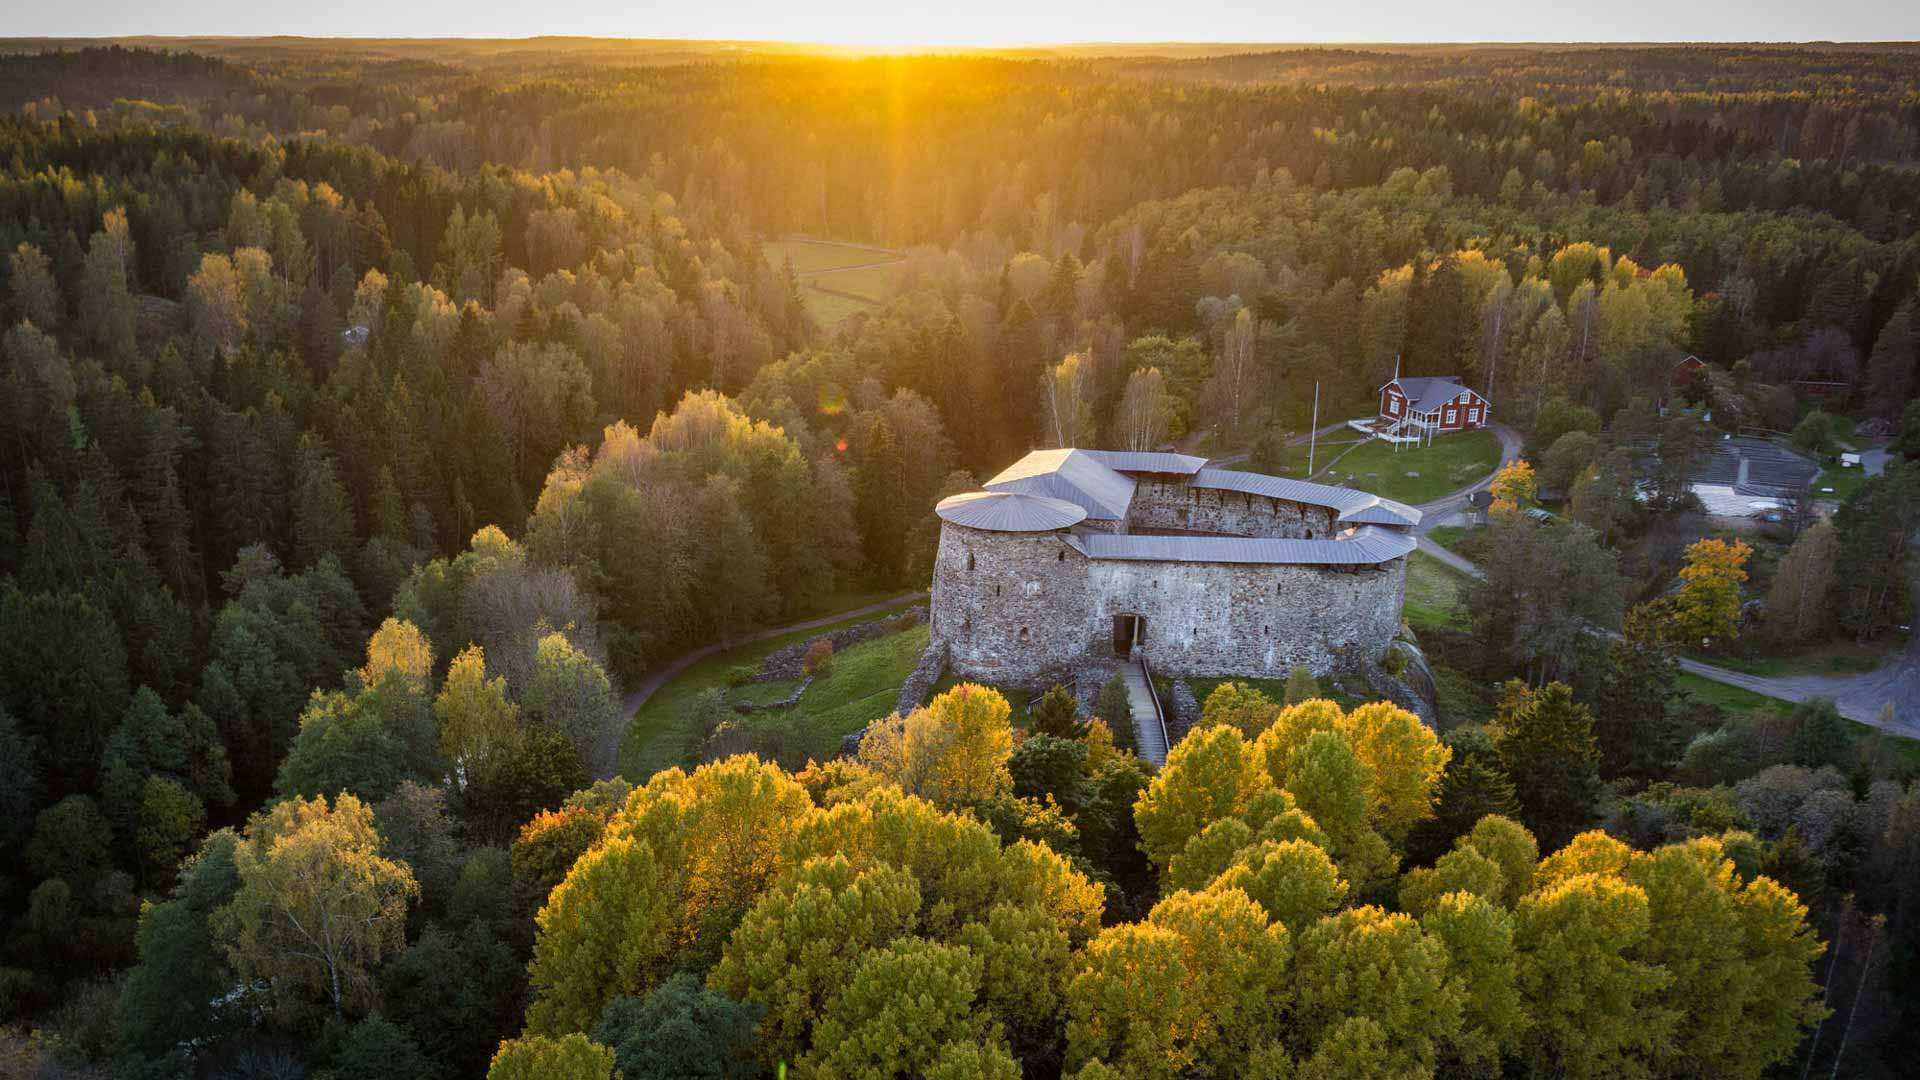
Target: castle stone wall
x,y
1249,619
1009,606
1172,504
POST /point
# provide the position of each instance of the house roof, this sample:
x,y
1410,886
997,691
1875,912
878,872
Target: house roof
x,y
1757,468
1425,393
1365,546
1077,476
1352,507
1006,511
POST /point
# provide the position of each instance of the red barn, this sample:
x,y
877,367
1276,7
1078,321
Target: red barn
x,y
1422,405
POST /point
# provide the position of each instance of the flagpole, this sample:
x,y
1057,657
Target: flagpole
x,y
1313,436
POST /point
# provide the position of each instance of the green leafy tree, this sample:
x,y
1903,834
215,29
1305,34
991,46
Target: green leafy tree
x,y
151,741
665,888
1240,706
681,1031
170,996
1798,607
478,723
1483,967
902,1010
800,943
1579,941
1301,686
570,692
379,1049
319,907
1115,708
458,991
1382,967
537,1057
952,751
1211,774
171,819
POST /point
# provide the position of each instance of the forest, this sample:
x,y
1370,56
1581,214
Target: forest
x,y
374,416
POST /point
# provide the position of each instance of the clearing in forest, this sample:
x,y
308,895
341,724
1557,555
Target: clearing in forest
x,y
837,280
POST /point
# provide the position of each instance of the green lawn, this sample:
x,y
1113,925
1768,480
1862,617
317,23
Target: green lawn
x,y
857,277
1294,458
829,310
1731,698
1827,658
865,281
1844,483
813,256
1451,463
1448,536
1435,591
658,733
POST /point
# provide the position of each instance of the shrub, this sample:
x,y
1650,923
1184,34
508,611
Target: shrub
x,y
1115,709
1301,686
742,674
819,659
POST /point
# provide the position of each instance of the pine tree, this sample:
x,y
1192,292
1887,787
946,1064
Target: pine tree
x,y
881,505
1633,717
1545,742
322,513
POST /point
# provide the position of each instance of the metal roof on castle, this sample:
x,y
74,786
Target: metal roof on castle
x,y
1074,475
1148,461
1365,546
1354,507
1009,511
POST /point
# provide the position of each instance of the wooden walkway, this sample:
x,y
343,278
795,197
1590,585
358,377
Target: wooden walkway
x,y
1149,733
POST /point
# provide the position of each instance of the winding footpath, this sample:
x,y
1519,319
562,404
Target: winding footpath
x,y
608,756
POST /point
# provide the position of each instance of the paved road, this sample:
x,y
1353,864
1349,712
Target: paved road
x,y
608,756
1433,513
1861,697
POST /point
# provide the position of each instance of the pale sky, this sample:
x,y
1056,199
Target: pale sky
x,y
989,22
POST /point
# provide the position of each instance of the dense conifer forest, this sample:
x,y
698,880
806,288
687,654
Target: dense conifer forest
x,y
375,415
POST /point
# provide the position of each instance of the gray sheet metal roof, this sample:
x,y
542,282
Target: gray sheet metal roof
x,y
1073,475
1147,461
1354,507
1366,546
1009,511
1428,392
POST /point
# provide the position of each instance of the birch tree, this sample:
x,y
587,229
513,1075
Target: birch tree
x,y
1145,409
319,907
1069,416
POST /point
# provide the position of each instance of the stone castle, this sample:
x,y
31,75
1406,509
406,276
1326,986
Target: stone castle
x,y
1072,554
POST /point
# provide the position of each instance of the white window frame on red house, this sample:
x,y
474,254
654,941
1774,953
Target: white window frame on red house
x,y
1452,416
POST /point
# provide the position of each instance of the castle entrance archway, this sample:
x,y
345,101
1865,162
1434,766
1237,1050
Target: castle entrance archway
x,y
1129,632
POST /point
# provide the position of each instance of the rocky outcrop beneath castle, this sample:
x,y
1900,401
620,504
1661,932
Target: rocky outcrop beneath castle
x,y
1404,678
786,663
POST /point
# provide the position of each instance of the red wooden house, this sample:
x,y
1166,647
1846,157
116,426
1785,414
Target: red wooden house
x,y
1431,405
